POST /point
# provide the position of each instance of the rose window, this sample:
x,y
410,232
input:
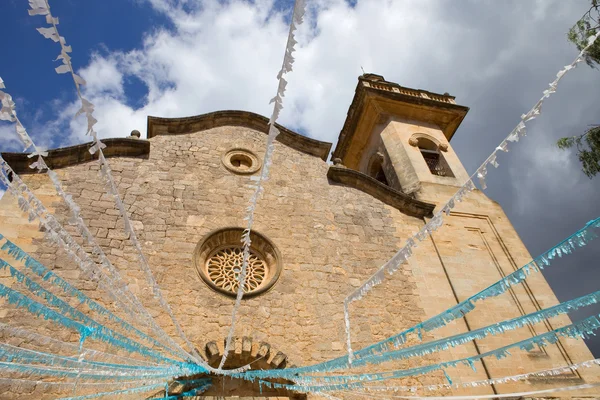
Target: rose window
x,y
218,258
225,266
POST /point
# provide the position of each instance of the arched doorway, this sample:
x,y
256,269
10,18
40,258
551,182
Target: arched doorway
x,y
260,355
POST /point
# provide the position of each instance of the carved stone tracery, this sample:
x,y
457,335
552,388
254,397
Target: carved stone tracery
x,y
219,258
224,268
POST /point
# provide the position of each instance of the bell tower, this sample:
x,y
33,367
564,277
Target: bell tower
x,y
401,137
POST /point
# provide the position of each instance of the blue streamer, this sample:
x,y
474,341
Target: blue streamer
x,y
194,392
580,329
578,239
47,275
91,327
38,309
44,341
140,389
75,373
447,377
494,329
21,355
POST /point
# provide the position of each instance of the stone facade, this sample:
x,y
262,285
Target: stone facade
x,y
332,234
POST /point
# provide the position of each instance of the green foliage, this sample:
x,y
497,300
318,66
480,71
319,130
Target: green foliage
x,y
588,144
588,149
587,26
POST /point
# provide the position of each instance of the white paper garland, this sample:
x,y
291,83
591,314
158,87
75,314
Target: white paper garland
x,y
140,313
42,7
487,382
94,355
405,252
488,396
288,60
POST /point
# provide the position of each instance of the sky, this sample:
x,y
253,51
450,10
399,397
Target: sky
x,y
172,58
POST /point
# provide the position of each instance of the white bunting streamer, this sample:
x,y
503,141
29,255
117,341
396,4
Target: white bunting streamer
x,y
487,382
54,231
488,396
135,310
8,113
405,252
17,384
277,101
40,7
47,341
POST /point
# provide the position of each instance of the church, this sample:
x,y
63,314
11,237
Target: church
x,y
326,223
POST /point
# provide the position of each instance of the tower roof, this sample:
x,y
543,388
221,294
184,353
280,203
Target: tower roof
x,y
376,99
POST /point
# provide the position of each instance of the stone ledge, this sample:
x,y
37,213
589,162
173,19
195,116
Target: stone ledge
x,y
179,126
72,155
386,194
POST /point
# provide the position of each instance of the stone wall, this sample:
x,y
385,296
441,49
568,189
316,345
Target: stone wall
x,y
331,238
475,247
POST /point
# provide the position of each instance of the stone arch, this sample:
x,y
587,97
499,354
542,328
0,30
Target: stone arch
x,y
431,150
375,168
244,351
260,355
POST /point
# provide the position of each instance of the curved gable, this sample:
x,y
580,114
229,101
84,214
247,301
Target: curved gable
x,y
179,126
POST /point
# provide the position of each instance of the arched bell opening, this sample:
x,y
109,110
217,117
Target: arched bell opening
x,y
244,351
375,168
432,155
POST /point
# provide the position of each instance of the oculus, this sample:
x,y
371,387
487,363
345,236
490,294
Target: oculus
x,y
218,258
241,161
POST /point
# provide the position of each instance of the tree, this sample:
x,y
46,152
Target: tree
x,y
588,143
588,149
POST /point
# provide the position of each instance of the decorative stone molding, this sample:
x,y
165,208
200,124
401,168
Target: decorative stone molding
x,y
241,161
374,97
414,139
338,162
135,133
380,191
73,155
218,260
246,351
179,126
223,268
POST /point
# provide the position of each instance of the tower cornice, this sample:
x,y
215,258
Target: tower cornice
x,y
376,99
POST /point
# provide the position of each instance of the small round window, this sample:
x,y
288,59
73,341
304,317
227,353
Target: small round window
x,y
241,161
219,259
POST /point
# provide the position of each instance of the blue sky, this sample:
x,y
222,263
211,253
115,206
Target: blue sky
x,y
177,58
90,27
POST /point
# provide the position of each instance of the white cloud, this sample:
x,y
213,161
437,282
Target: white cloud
x,y
103,77
224,55
9,140
495,56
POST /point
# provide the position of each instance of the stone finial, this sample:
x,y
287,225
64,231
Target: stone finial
x,y
373,77
413,141
337,162
135,133
443,147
